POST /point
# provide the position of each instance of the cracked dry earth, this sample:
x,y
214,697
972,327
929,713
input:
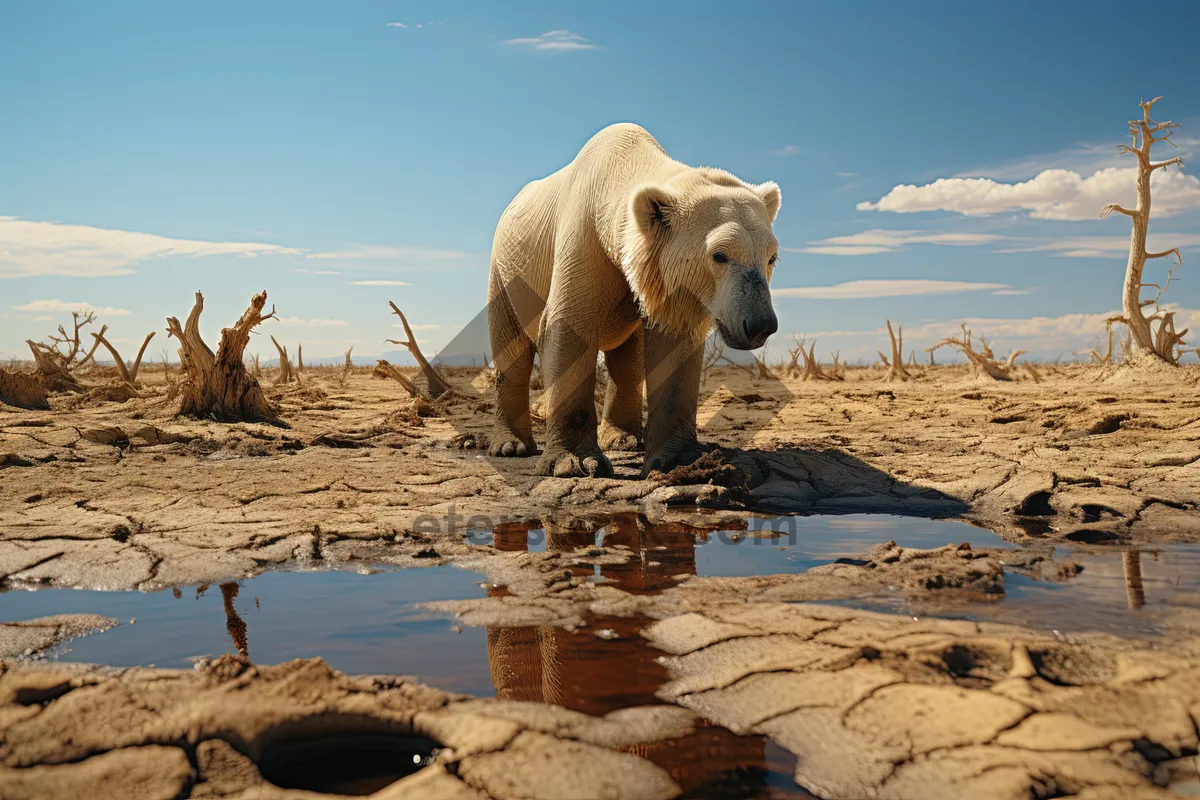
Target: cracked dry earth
x,y
118,496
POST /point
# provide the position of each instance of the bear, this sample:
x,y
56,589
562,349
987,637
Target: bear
x,y
627,252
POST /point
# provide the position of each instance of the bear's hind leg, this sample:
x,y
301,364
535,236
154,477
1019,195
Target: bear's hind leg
x,y
621,428
512,353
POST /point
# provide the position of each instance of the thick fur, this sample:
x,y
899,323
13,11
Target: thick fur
x,y
631,253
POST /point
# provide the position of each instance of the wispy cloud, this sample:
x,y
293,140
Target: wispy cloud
x,y
845,174
316,322
888,241
786,150
396,25
1104,246
67,306
557,41
381,253
380,283
1053,194
428,326
52,248
859,290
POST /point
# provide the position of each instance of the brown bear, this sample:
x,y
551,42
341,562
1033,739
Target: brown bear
x,y
628,252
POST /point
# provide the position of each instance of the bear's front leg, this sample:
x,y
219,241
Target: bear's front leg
x,y
673,367
569,370
621,426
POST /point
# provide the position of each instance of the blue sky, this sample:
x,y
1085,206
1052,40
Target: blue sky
x,y
315,150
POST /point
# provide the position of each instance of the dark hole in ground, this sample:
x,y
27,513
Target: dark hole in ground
x,y
1108,424
345,764
1036,505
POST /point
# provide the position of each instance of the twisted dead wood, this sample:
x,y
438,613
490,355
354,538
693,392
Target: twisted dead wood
x,y
437,384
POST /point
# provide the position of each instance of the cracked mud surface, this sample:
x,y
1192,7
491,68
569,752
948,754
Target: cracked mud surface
x,y
102,495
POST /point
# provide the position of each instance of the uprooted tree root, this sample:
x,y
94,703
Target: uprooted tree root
x,y
219,385
58,359
436,383
983,361
895,364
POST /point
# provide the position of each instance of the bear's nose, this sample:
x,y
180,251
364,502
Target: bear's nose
x,y
758,329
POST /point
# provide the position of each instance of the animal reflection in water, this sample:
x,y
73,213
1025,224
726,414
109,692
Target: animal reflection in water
x,y
596,674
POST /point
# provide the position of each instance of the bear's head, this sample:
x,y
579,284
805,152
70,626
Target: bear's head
x,y
700,250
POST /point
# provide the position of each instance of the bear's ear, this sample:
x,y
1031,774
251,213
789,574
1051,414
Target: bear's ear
x,y
653,208
769,193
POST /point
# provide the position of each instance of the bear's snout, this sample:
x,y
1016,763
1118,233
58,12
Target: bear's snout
x,y
759,328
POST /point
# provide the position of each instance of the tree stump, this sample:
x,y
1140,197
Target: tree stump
x,y
219,386
23,389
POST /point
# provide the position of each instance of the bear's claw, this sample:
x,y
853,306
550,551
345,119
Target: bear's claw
x,y
509,447
565,464
614,438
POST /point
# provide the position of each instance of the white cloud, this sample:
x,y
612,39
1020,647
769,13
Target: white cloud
x,y
305,271
428,326
858,290
786,150
53,248
1105,246
1010,292
67,306
385,253
316,322
887,241
396,25
1053,194
559,41
380,283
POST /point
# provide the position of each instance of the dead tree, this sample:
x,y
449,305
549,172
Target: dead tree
x,y
896,369
1162,343
437,384
714,351
23,389
127,372
299,358
63,355
286,375
219,385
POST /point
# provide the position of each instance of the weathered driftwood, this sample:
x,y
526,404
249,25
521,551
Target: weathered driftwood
x,y
127,372
286,373
23,389
1162,343
437,384
299,358
219,385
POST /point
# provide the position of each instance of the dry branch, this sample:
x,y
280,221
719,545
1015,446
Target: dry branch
x,y
58,359
128,372
286,375
812,370
896,369
437,384
299,358
983,361
346,367
384,369
219,385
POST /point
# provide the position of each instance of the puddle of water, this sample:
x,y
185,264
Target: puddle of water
x,y
357,623
368,624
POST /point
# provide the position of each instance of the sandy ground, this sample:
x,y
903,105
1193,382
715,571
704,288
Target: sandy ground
x,y
110,495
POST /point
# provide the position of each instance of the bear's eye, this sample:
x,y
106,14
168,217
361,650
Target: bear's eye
x,y
771,261
720,257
